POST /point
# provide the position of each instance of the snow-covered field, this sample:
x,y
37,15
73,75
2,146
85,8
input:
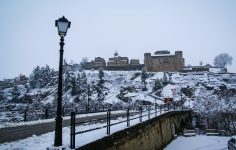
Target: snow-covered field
x,y
199,142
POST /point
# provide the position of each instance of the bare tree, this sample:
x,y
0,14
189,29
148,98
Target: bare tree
x,y
222,60
83,62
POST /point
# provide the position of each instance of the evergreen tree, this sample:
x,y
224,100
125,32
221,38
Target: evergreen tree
x,y
122,91
89,93
158,85
170,77
67,81
101,96
34,77
37,105
78,79
84,78
144,76
83,63
101,75
75,88
15,91
1,96
27,87
46,75
99,87
81,86
41,77
165,77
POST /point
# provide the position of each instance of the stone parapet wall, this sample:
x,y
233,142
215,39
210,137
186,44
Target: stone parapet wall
x,y
153,134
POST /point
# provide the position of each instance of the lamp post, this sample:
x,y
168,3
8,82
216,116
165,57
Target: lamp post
x,y
62,24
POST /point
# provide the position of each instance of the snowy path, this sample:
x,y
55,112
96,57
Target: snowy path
x,y
200,142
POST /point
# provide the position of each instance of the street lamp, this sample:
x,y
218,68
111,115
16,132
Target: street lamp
x,y
62,24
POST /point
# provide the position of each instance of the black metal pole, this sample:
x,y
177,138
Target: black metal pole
x,y
148,112
140,114
72,133
109,121
160,108
155,109
88,97
63,111
25,115
46,113
58,130
128,121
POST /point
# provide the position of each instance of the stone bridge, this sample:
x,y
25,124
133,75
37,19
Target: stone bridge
x,y
153,134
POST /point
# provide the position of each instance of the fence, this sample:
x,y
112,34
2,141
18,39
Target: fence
x,y
47,113
141,114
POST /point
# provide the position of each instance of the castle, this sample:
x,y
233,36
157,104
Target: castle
x,y
118,60
115,63
162,61
97,63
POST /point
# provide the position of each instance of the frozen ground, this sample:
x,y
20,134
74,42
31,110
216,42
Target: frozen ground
x,y
199,142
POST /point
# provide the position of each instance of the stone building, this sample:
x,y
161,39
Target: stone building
x,y
116,63
97,63
164,61
134,62
118,60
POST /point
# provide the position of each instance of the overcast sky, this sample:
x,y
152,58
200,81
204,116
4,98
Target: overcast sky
x,y
200,28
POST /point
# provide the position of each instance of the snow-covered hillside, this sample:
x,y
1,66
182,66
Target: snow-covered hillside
x,y
204,92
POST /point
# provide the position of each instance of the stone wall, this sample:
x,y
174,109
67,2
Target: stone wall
x,y
164,62
124,68
153,134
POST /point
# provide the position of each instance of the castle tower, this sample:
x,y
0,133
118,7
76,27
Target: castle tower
x,y
179,54
148,61
179,60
